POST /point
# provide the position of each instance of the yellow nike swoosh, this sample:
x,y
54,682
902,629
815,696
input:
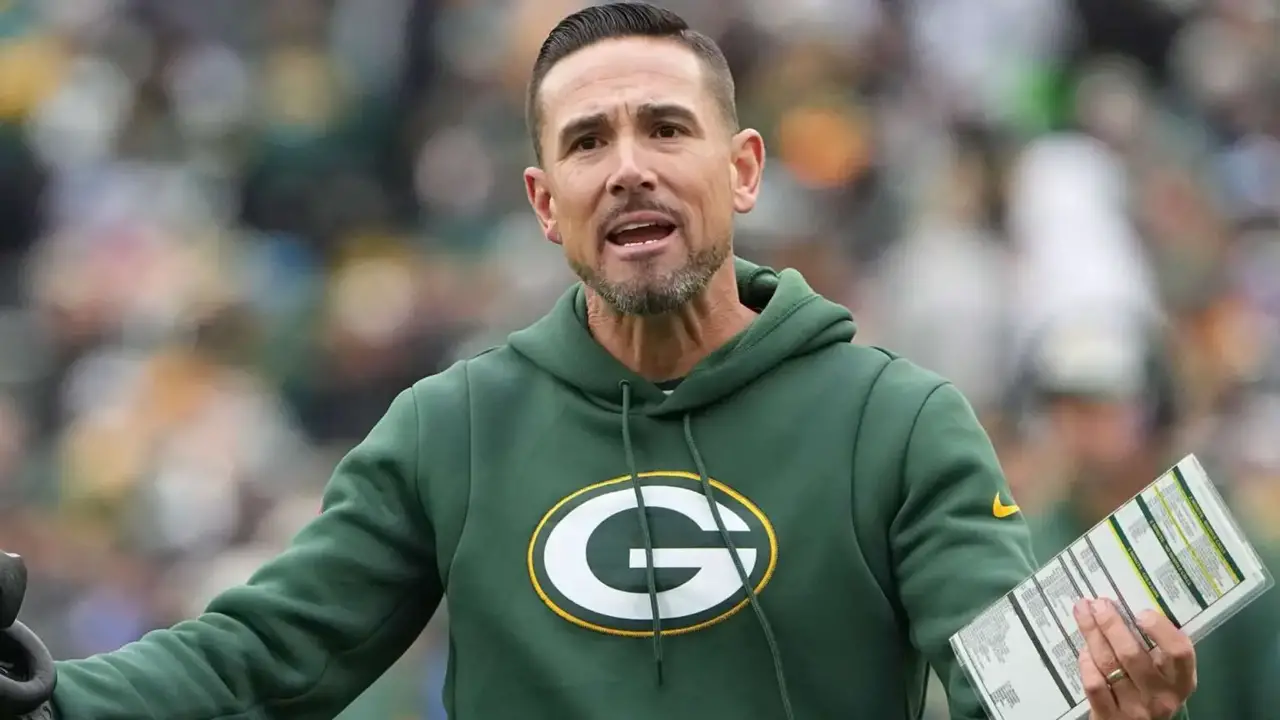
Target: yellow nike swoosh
x,y
1001,510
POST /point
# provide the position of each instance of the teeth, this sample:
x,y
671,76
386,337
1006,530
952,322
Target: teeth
x,y
616,233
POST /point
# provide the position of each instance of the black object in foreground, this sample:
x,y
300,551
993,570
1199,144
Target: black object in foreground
x,y
13,587
27,674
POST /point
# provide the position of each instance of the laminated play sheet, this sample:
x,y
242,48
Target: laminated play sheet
x,y
1173,548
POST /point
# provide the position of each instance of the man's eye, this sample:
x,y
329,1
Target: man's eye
x,y
585,143
668,131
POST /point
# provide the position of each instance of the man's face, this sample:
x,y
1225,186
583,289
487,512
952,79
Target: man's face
x,y
641,173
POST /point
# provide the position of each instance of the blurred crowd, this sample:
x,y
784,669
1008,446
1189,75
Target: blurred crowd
x,y
232,231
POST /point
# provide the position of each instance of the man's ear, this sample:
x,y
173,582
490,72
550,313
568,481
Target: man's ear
x,y
748,169
535,185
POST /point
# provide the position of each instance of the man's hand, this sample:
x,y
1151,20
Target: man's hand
x,y
1121,679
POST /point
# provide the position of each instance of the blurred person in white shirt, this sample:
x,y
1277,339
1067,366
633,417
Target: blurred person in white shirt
x,y
1077,247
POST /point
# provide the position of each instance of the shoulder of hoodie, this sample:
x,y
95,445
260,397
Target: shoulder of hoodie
x,y
892,377
448,390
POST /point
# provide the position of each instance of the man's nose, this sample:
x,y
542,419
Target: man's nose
x,y
632,173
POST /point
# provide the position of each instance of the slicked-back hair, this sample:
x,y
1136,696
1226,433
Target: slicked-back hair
x,y
624,20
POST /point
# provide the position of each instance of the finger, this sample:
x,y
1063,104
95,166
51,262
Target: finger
x,y
1177,654
1165,705
1133,656
1101,699
1127,697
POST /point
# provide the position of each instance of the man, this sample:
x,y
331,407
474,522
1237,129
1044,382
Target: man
x,y
1106,391
683,493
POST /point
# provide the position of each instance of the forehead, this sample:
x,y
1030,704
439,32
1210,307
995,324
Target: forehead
x,y
616,74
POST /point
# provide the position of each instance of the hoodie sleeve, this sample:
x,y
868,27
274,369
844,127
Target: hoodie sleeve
x,y
952,556
311,629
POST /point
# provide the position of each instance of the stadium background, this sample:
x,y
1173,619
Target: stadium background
x,y
231,231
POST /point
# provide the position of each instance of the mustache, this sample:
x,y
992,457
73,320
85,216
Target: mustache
x,y
640,204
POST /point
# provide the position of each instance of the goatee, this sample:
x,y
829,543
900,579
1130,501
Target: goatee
x,y
649,295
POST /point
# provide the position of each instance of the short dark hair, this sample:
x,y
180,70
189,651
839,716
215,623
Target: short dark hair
x,y
622,20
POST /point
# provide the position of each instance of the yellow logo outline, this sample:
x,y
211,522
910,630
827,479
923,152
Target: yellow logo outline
x,y
1001,510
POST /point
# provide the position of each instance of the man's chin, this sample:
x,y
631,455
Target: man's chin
x,y
643,299
647,288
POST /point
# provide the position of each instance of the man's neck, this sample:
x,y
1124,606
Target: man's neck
x,y
664,347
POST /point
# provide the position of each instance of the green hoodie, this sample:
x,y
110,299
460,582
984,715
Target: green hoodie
x,y
818,520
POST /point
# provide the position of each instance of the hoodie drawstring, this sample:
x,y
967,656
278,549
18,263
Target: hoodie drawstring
x,y
645,532
705,480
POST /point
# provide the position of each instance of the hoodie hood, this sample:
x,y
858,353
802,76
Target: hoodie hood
x,y
794,320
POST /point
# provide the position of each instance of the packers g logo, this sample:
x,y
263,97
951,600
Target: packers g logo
x,y
587,558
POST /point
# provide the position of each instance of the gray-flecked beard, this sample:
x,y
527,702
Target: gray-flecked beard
x,y
649,295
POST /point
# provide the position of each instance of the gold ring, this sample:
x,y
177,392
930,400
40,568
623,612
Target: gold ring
x,y
1116,676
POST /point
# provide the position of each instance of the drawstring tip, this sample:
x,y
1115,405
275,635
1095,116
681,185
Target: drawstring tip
x,y
657,653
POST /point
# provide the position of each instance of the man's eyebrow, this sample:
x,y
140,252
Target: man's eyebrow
x,y
581,126
647,112
650,112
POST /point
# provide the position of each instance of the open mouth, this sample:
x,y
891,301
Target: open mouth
x,y
640,233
